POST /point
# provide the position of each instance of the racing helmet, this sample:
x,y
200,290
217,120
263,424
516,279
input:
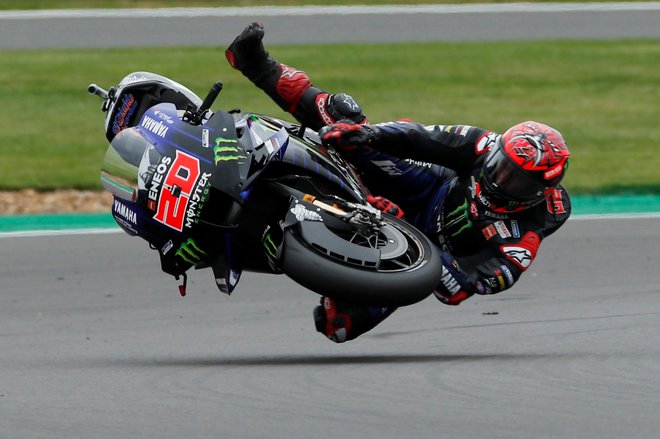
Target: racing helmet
x,y
527,161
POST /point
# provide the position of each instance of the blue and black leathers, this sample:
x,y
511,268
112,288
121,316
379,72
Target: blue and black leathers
x,y
432,173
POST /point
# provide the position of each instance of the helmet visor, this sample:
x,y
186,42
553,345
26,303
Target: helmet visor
x,y
506,181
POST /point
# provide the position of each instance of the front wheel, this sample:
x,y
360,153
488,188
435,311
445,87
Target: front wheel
x,y
389,264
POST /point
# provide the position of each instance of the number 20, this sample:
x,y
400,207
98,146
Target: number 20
x,y
177,188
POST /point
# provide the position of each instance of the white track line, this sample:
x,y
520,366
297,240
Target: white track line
x,y
329,10
104,231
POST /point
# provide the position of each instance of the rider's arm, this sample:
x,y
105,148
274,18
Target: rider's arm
x,y
502,262
499,270
452,146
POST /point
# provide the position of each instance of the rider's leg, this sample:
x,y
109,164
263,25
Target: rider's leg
x,y
290,88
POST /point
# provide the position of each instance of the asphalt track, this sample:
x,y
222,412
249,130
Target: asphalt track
x,y
360,24
96,343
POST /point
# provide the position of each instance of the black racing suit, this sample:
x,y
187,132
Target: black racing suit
x,y
432,173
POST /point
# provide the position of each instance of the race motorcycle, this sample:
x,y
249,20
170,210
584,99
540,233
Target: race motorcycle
x,y
240,192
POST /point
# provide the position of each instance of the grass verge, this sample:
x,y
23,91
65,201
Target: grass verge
x,y
603,95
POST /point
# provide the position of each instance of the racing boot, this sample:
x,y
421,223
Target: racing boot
x,y
343,321
283,84
290,88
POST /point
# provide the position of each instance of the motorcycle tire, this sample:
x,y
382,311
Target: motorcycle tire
x,y
401,278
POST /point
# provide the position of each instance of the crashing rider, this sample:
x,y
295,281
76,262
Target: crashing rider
x,y
486,199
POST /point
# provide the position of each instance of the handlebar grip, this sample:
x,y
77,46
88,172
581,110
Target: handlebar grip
x,y
210,98
94,89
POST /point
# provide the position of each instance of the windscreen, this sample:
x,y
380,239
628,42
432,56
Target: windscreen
x,y
129,162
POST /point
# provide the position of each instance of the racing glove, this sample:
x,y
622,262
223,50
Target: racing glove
x,y
455,285
347,135
385,206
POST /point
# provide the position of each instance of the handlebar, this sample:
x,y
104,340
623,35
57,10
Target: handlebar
x,y
210,98
194,115
94,89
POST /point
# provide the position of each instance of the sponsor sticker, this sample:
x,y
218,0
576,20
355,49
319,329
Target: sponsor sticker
x,y
167,247
507,275
156,182
501,229
128,105
449,282
387,166
489,231
520,256
155,126
515,230
320,107
485,142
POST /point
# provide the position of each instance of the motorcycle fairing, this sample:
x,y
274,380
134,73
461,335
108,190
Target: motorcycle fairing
x,y
161,172
307,152
226,269
234,165
137,92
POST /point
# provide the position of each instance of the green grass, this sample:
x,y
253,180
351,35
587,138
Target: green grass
x,y
603,96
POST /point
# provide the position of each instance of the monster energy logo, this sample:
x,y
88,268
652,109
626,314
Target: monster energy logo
x,y
190,252
270,247
226,150
457,217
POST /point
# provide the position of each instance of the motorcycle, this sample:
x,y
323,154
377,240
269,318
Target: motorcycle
x,y
238,192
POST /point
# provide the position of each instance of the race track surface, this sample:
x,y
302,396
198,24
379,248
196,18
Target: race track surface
x,y
217,27
95,342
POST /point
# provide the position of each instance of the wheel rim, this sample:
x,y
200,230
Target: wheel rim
x,y
400,249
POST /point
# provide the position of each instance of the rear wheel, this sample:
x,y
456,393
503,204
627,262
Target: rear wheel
x,y
379,260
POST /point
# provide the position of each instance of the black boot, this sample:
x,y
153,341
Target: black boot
x,y
247,54
343,321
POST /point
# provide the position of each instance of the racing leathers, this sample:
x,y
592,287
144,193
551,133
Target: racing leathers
x,y
432,173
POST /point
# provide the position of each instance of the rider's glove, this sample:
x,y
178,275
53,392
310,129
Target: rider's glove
x,y
455,285
347,135
453,299
385,205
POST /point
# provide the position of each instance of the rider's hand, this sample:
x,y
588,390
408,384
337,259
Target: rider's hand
x,y
452,299
347,135
456,286
385,205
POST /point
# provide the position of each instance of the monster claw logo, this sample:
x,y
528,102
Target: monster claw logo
x,y
459,219
226,150
271,250
190,251
270,247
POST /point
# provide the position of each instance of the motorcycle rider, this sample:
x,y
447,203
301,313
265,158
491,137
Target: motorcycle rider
x,y
486,199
